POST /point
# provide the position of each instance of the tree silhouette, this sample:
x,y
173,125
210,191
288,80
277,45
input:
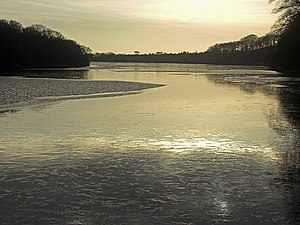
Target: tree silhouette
x,y
288,26
249,43
289,10
288,54
38,46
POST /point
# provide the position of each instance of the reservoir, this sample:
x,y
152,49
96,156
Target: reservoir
x,y
176,144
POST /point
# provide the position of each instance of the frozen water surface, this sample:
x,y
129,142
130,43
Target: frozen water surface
x,y
216,145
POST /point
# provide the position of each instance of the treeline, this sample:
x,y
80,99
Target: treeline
x,y
260,57
249,43
37,46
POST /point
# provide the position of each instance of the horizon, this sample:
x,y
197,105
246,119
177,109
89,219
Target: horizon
x,y
146,26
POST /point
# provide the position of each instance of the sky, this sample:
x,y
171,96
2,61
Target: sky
x,y
125,26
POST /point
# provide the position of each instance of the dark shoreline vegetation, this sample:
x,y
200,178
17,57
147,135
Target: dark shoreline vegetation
x,y
37,46
257,57
250,50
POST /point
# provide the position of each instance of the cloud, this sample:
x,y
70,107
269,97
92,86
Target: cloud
x,y
188,11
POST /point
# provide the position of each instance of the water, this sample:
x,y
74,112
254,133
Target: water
x,y
216,145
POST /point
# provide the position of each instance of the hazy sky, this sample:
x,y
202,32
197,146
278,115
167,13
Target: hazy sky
x,y
123,26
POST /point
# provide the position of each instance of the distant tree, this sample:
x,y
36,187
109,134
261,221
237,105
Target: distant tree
x,y
41,30
15,25
85,50
136,52
249,43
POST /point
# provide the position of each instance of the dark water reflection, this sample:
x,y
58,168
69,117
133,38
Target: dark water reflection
x,y
287,90
290,167
217,145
